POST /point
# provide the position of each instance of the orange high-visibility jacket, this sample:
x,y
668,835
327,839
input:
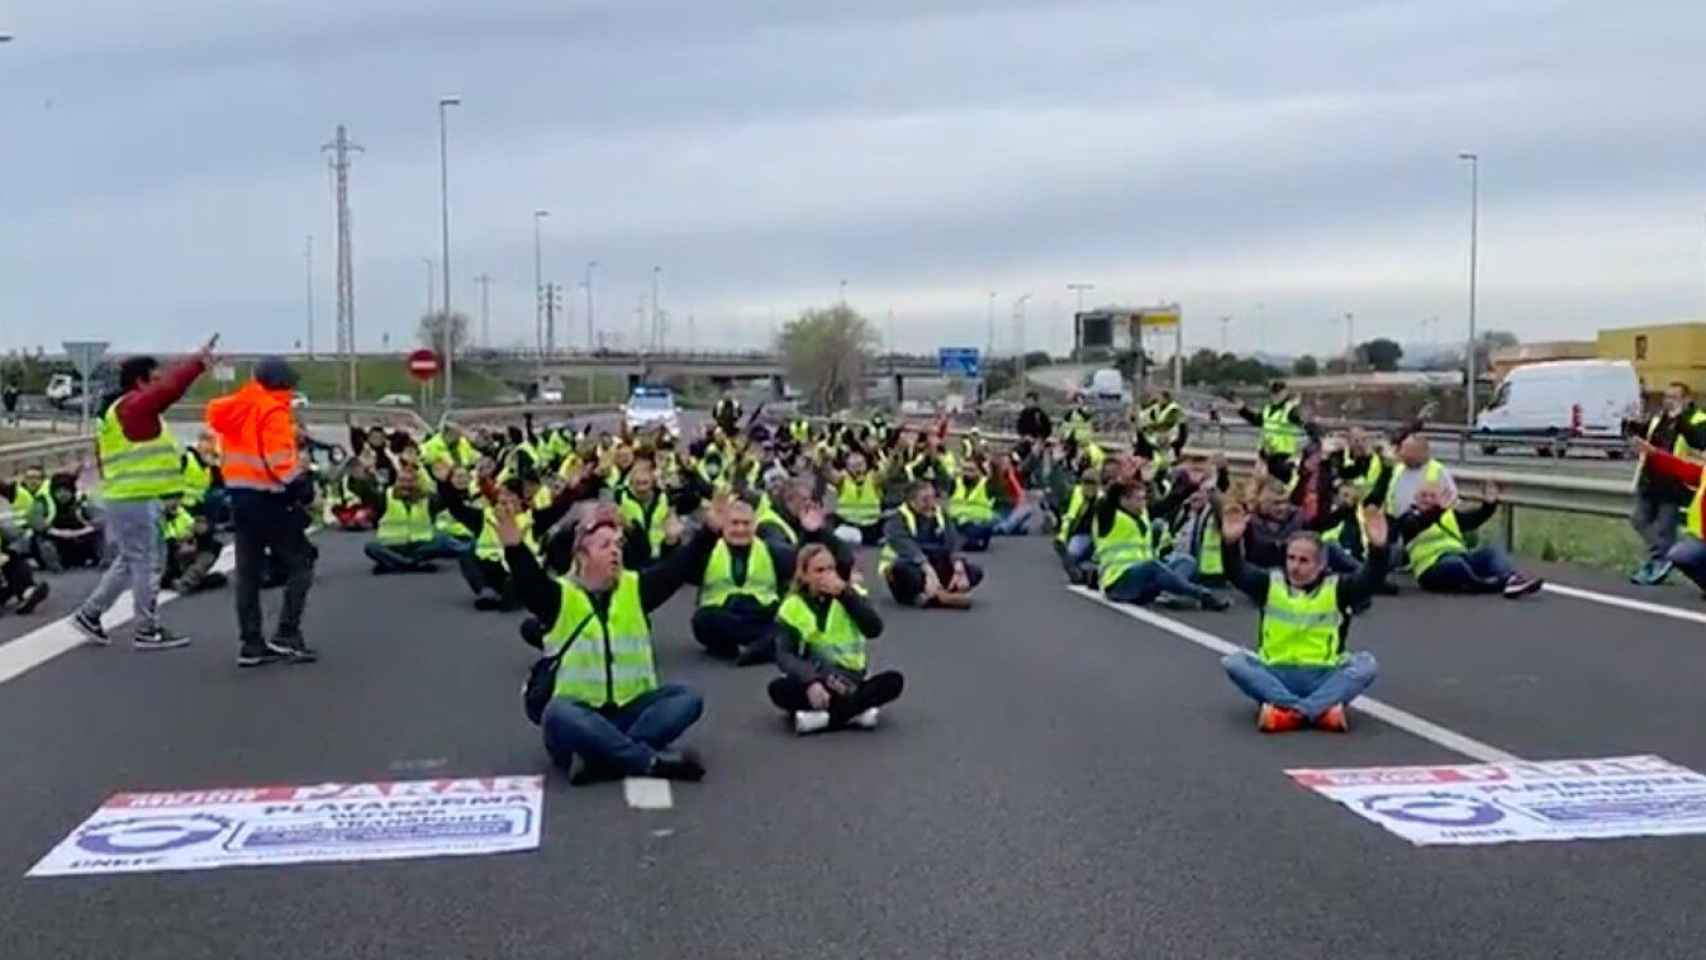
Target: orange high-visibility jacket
x,y
257,434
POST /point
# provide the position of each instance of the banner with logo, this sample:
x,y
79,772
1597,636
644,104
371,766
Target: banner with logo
x,y
1643,796
260,826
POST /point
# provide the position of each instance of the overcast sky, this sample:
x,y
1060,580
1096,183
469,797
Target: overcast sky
x,y
160,165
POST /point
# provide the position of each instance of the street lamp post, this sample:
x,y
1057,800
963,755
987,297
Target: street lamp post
x,y
989,348
1474,160
538,287
431,283
444,209
1019,334
657,312
590,266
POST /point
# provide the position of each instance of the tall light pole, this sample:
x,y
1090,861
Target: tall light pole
x,y
308,257
1019,334
844,293
1474,238
590,266
431,283
657,273
989,348
444,209
1350,342
538,285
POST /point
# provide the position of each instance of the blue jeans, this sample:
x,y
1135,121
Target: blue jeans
x,y
1144,582
974,537
1014,522
1655,521
1310,691
626,738
1078,547
1482,570
1689,555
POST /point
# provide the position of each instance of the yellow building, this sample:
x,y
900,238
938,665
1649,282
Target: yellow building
x,y
1661,354
1506,359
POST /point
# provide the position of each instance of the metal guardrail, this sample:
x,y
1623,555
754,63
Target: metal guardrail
x,y
51,455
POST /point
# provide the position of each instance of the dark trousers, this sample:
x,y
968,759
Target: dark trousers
x,y
15,575
906,580
789,693
1483,570
270,523
488,575
724,630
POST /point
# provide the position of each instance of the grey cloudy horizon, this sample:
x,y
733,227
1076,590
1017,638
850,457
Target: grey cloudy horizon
x,y
162,165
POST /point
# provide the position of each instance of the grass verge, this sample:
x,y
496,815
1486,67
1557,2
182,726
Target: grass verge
x,y
1604,543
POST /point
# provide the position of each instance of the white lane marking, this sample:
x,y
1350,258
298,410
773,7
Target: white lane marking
x,y
647,793
1612,600
1402,719
52,639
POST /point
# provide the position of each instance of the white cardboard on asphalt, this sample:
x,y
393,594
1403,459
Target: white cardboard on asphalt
x,y
331,822
1642,796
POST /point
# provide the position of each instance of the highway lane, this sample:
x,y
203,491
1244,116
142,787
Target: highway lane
x,y
1059,780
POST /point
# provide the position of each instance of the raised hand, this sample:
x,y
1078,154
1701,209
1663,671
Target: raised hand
x,y
1490,492
1375,526
507,528
1233,521
673,529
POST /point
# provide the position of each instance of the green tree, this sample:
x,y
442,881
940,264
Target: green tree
x,y
824,351
1305,366
1381,354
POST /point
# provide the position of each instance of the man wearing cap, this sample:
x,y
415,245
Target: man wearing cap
x,y
270,488
139,468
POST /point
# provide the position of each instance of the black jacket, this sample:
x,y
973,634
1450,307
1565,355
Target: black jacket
x,y
802,664
1034,423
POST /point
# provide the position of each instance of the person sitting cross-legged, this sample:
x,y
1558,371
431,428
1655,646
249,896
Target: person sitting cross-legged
x,y
972,507
920,558
822,630
607,705
1300,672
406,540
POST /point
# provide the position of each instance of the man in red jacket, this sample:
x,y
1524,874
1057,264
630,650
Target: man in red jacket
x,y
139,468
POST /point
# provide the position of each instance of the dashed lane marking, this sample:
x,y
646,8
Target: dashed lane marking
x,y
647,793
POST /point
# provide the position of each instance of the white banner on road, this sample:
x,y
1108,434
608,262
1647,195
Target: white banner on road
x,y
1644,796
261,826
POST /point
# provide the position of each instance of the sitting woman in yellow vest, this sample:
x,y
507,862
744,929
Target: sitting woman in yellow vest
x,y
407,538
1195,551
823,631
653,529
971,506
1073,542
69,536
920,560
204,483
485,568
858,513
1440,557
1127,540
740,586
351,494
608,706
191,549
1300,673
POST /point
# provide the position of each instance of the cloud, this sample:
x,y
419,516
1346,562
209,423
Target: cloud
x,y
1224,155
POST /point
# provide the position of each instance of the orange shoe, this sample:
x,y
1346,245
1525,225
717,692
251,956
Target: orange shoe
x,y
1272,719
1334,720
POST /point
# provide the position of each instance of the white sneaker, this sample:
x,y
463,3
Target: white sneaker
x,y
866,720
810,721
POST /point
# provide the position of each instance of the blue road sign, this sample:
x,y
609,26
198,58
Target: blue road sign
x,y
957,361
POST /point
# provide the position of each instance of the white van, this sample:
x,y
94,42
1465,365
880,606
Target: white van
x,y
1559,400
1107,385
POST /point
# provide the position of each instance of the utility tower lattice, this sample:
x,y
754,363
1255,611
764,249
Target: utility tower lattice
x,y
339,161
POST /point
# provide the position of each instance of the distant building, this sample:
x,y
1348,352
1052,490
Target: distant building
x,y
1505,359
1661,354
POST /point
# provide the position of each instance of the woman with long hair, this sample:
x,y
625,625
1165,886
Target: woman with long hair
x,y
822,634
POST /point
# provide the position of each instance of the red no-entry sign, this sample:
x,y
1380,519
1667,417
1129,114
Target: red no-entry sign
x,y
424,364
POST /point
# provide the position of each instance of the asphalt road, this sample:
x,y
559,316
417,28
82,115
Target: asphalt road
x,y
1059,780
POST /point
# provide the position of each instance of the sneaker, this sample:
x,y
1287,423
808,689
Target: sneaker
x,y
158,638
1215,602
488,601
1272,719
32,598
1643,575
810,721
866,720
1333,720
90,628
588,773
260,654
678,765
1661,571
293,646
380,570
1520,585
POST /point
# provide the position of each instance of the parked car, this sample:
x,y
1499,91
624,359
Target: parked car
x,y
395,400
1544,405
